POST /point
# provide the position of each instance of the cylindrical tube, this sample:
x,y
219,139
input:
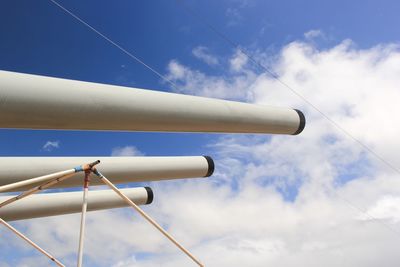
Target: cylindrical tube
x,y
36,180
119,169
54,103
83,217
52,204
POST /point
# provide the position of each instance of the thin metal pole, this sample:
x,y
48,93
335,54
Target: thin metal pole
x,y
83,216
36,189
147,217
31,243
57,177
34,180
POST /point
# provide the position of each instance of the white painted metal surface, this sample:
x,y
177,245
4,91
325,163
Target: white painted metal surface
x,y
83,217
39,102
52,204
121,169
36,180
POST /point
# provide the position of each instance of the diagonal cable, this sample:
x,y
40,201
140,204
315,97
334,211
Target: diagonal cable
x,y
257,63
241,50
302,97
276,77
131,55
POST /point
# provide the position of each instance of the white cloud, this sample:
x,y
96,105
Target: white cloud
x,y
313,34
238,61
247,214
386,208
247,222
176,71
194,82
51,145
202,53
126,151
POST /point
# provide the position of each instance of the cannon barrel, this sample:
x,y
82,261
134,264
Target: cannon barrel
x,y
118,169
39,102
53,204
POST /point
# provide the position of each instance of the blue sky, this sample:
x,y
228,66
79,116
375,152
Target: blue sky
x,y
37,37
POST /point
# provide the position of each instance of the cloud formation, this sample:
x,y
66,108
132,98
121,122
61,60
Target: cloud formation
x,y
238,61
126,151
195,82
313,34
51,145
202,53
317,199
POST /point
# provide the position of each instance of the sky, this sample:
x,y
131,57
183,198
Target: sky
x,y
316,199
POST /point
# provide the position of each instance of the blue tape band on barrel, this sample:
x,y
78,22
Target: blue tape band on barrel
x,y
78,169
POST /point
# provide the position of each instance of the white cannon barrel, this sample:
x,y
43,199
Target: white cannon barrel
x,y
52,204
39,102
118,169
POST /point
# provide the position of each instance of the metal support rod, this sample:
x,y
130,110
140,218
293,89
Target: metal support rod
x,y
37,189
56,178
83,216
147,217
39,179
31,243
